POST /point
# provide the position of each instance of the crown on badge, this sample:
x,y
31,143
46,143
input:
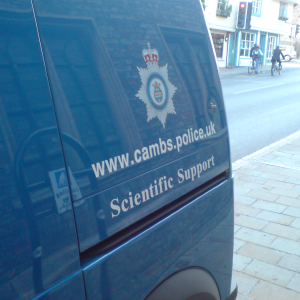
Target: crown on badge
x,y
156,85
150,56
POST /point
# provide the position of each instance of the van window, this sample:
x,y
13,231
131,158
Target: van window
x,y
98,88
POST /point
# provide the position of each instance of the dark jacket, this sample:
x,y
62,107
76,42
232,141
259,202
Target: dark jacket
x,y
251,51
277,52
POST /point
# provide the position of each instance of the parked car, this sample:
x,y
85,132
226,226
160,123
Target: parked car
x,y
288,52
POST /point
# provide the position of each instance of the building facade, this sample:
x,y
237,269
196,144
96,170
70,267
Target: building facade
x,y
269,20
221,20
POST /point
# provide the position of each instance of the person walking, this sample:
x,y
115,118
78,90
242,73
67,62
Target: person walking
x,y
276,56
256,54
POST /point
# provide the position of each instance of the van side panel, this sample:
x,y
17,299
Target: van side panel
x,y
136,87
199,234
37,231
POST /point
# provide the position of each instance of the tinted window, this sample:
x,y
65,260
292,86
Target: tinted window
x,y
95,64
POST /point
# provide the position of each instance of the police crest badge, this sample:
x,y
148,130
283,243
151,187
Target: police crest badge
x,y
156,90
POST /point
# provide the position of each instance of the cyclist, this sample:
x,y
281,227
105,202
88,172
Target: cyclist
x,y
276,56
251,55
256,54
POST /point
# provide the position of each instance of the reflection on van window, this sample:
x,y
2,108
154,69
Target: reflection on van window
x,y
93,63
29,215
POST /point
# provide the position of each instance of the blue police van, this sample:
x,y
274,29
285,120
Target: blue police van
x,y
116,178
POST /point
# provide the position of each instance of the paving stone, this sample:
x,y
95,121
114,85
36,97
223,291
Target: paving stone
x,y
266,205
244,199
296,188
285,245
261,253
290,148
269,156
290,262
295,142
243,170
288,201
284,192
250,222
293,180
283,231
295,223
241,190
257,186
236,228
246,210
239,182
243,297
292,211
270,169
274,176
240,262
251,166
244,282
286,160
269,272
262,195
268,291
256,179
295,283
280,184
237,244
275,217
288,155
291,173
254,236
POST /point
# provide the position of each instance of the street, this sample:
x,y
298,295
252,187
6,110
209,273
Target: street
x,y
261,109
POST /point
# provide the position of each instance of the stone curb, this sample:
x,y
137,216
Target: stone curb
x,y
254,156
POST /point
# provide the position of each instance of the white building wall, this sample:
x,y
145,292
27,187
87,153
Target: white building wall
x,y
221,25
269,22
217,22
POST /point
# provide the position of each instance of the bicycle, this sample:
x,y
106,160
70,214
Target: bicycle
x,y
251,67
275,67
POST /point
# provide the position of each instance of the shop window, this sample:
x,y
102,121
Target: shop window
x,y
218,40
256,7
247,43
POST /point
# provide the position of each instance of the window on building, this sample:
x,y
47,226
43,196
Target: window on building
x,y
283,11
256,7
248,40
218,40
271,46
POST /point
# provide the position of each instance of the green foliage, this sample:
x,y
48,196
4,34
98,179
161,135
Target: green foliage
x,y
223,5
223,10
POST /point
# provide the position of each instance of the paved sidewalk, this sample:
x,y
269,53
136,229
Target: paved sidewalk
x,y
267,222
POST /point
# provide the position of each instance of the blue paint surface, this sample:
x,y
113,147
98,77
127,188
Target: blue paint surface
x,y
92,61
76,140
38,245
124,204
199,234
